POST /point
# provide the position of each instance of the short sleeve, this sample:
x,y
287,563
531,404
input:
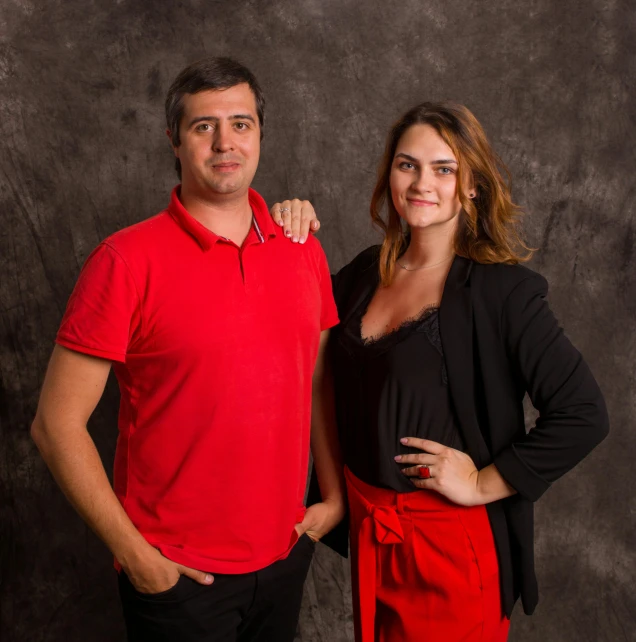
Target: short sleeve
x,y
103,311
328,310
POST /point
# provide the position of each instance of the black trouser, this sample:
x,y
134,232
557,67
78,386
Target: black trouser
x,y
252,607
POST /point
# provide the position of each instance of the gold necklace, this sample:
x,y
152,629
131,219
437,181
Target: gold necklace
x,y
423,267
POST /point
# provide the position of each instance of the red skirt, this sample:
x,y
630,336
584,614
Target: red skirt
x,y
423,568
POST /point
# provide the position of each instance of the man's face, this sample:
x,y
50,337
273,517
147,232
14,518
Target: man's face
x,y
220,141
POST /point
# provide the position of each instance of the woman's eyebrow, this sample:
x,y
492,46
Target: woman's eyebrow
x,y
412,159
407,157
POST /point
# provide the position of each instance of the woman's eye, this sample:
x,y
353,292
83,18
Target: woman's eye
x,y
445,170
406,165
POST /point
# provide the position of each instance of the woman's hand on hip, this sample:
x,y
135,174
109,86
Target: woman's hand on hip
x,y
296,217
452,472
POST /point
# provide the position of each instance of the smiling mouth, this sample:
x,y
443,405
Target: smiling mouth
x,y
420,202
225,167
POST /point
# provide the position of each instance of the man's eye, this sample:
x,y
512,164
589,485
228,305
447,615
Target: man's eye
x,y
203,127
241,126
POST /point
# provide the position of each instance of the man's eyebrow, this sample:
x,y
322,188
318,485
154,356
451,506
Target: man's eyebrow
x,y
242,117
214,119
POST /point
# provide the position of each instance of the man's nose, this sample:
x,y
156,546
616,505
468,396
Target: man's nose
x,y
222,140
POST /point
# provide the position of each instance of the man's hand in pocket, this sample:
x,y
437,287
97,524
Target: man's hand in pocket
x,y
321,518
151,572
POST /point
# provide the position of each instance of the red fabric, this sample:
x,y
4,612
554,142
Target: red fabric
x,y
423,568
214,349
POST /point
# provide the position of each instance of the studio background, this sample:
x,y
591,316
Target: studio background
x,y
82,84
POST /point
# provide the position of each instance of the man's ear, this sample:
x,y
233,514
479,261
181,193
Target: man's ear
x,y
174,149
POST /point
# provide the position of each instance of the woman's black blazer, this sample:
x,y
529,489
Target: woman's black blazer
x,y
500,340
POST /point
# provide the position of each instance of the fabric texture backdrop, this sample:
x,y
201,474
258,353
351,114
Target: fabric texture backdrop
x,y
82,86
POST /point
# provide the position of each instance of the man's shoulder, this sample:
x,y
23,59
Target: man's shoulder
x,y
313,245
141,237
311,248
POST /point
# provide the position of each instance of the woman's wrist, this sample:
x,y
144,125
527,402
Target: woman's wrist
x,y
491,486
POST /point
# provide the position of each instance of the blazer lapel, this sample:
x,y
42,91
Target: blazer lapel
x,y
456,331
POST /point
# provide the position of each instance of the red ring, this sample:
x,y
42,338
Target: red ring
x,y
424,472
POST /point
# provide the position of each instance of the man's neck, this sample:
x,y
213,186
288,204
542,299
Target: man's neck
x,y
226,216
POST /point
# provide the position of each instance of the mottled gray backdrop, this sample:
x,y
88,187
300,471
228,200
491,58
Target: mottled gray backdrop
x,y
81,98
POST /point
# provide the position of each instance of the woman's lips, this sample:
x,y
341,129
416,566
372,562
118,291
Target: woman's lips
x,y
420,202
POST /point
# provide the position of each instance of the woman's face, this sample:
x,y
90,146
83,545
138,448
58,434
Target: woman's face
x,y
424,179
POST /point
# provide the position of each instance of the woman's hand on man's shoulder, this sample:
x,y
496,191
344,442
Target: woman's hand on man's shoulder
x,y
297,218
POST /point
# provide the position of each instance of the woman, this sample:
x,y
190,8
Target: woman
x,y
442,333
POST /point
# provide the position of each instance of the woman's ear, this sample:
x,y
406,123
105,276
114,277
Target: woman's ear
x,y
468,183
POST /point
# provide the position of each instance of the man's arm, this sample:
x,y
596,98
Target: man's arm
x,y
324,516
73,385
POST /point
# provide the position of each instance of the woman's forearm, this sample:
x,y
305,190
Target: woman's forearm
x,y
491,486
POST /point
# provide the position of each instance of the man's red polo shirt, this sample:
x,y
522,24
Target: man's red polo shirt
x,y
214,348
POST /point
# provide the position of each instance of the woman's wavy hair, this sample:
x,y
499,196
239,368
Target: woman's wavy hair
x,y
487,227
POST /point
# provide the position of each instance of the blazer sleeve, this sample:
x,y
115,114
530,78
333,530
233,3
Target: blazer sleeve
x,y
572,414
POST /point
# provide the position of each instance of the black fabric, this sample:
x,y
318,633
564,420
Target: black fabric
x,y
251,607
396,386
500,339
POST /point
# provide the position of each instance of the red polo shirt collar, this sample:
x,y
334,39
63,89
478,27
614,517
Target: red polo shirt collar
x,y
263,225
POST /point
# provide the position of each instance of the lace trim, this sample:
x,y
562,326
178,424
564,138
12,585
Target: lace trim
x,y
408,323
426,321
433,335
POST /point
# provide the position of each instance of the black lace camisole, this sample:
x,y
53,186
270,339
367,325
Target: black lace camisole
x,y
391,387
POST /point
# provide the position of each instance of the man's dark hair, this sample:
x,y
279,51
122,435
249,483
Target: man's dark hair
x,y
208,73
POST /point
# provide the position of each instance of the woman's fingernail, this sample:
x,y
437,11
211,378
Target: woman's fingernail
x,y
301,239
280,222
314,224
404,440
398,458
287,233
208,579
294,239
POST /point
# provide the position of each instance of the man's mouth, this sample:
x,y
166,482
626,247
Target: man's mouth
x,y
225,166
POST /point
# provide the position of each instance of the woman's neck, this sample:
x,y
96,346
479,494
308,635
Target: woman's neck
x,y
428,248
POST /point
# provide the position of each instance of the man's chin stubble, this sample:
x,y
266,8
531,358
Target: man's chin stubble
x,y
224,188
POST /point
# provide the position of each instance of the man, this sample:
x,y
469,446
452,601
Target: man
x,y
191,307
